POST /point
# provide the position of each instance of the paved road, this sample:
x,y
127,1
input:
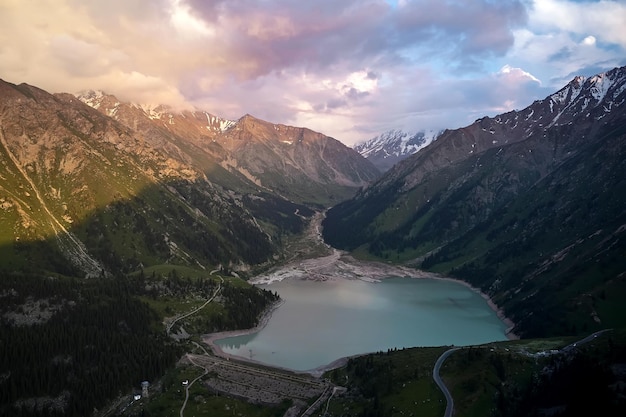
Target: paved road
x,y
441,385
168,328
444,356
583,341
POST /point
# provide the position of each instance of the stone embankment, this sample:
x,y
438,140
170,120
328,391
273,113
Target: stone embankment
x,y
261,385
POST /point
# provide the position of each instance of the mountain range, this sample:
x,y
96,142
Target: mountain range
x,y
112,186
162,209
529,206
392,146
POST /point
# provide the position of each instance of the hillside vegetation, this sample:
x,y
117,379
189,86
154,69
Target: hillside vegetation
x,y
529,206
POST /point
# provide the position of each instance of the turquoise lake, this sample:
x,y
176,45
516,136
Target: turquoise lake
x,y
320,322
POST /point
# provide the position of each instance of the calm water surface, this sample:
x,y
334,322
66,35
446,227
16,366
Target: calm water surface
x,y
320,322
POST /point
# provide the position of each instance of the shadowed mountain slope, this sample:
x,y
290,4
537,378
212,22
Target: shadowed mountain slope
x,y
528,205
113,186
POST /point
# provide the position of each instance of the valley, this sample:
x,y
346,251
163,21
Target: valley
x,y
127,233
309,257
528,206
249,380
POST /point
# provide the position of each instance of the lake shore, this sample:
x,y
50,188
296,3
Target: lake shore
x,y
337,266
386,271
210,338
325,263
510,325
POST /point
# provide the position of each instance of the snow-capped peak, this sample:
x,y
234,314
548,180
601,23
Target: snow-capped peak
x,y
153,111
600,84
92,98
394,145
568,94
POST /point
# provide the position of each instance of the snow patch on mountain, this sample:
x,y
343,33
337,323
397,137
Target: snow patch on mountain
x,y
600,86
566,96
92,98
221,124
394,145
153,111
582,95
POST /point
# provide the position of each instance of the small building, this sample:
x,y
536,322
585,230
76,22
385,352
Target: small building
x,y
144,388
185,382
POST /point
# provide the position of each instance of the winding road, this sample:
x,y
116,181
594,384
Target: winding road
x,y
168,328
206,371
444,356
441,385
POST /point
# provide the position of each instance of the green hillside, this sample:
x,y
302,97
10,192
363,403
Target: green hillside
x,y
531,213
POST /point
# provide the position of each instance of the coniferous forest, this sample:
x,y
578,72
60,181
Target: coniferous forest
x,y
71,352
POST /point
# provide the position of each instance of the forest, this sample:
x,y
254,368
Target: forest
x,y
68,346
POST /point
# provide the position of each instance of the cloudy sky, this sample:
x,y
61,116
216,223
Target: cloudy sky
x,y
348,68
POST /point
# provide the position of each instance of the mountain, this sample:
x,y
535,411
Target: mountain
x,y
529,206
296,163
115,187
389,148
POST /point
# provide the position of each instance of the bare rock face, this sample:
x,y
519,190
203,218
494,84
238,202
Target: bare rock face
x,y
284,156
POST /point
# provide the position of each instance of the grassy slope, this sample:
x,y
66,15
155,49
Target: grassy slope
x,y
496,379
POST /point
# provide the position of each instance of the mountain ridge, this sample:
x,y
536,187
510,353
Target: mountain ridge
x,y
392,146
73,173
476,203
273,156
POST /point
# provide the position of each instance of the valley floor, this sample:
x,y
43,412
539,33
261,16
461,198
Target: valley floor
x,y
309,258
312,259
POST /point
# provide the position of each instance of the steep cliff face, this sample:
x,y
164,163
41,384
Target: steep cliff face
x,y
517,204
297,162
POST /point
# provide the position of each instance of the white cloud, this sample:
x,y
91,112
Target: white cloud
x,y
605,20
349,69
362,81
589,40
186,24
516,73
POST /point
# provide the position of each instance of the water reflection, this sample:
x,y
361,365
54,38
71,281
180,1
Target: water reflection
x,y
323,321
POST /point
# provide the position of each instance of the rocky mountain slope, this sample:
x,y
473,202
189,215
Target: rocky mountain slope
x,y
114,187
391,147
528,205
297,163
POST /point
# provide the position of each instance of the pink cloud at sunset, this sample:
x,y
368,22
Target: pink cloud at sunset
x,y
349,69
